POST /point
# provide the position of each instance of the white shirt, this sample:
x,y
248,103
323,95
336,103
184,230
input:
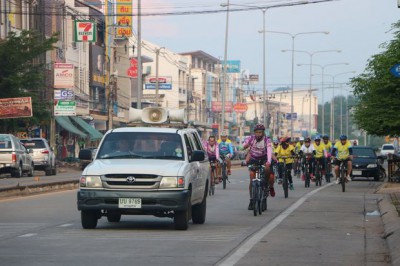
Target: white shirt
x,y
308,149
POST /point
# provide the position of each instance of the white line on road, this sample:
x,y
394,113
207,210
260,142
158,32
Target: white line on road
x,y
252,241
65,225
28,235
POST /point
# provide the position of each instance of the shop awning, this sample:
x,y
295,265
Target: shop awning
x,y
65,123
94,134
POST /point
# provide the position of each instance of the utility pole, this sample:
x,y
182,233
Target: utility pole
x,y
187,94
139,55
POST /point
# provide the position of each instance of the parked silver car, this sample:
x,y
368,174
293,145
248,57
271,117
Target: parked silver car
x,y
43,156
14,157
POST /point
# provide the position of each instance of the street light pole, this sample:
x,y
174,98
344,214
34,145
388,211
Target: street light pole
x,y
293,36
264,85
224,69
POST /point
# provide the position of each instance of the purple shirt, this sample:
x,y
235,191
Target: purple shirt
x,y
259,149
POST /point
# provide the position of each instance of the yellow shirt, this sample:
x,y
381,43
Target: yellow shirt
x,y
275,149
328,146
285,152
342,150
319,150
298,146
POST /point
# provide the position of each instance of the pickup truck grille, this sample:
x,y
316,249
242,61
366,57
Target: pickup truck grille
x,y
131,181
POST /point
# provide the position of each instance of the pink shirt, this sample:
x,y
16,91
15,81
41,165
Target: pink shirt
x,y
212,151
259,149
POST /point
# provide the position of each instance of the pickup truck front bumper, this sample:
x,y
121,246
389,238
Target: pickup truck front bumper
x,y
152,202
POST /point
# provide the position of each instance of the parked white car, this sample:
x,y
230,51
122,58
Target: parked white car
x,y
14,157
387,149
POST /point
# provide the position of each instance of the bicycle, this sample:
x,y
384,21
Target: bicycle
x,y
223,171
297,167
259,188
318,172
343,173
285,172
213,169
328,170
307,165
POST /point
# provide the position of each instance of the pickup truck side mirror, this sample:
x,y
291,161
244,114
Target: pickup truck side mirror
x,y
198,156
85,154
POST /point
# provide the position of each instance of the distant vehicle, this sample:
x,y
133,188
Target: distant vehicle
x,y
387,149
43,156
367,164
14,157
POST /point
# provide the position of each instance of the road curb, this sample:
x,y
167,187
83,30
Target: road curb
x,y
391,221
15,191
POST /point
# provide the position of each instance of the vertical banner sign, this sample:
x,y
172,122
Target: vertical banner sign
x,y
124,19
132,70
64,76
85,31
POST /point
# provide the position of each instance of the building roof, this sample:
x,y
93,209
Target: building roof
x,y
202,55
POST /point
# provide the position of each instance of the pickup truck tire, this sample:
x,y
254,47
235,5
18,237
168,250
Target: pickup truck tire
x,y
17,172
89,219
181,218
114,217
199,211
54,170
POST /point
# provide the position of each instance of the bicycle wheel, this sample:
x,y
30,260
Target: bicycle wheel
x,y
307,177
328,173
224,176
265,193
259,202
318,176
255,198
343,178
285,183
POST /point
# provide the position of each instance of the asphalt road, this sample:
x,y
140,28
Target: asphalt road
x,y
313,226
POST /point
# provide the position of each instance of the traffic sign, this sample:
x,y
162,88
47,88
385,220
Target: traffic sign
x,y
395,70
291,116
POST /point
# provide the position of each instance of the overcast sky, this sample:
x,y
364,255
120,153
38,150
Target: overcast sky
x,y
356,27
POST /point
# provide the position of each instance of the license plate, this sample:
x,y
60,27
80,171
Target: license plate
x,y
357,172
130,203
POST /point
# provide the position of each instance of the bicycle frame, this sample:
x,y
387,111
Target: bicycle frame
x,y
223,172
213,169
318,172
307,162
259,192
343,174
285,173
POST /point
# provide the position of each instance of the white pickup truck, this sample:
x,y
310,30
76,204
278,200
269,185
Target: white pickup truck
x,y
158,171
14,157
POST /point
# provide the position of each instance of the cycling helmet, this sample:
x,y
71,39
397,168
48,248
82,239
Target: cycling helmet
x,y
343,137
307,140
317,138
301,139
325,137
275,141
224,134
259,127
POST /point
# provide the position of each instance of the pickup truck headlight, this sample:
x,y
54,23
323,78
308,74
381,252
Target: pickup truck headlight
x,y
172,182
372,165
90,182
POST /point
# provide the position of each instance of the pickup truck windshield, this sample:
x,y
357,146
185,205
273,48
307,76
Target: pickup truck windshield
x,y
141,145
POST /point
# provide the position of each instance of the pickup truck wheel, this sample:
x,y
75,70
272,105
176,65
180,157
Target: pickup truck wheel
x,y
199,211
114,217
89,219
54,170
17,172
181,218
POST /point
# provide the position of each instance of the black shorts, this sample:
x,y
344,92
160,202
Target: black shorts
x,y
337,162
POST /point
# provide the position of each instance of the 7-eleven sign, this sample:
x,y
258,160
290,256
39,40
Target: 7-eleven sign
x,y
85,31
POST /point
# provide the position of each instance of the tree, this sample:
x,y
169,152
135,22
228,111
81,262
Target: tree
x,y
378,91
22,73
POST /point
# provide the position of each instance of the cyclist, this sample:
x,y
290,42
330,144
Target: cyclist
x,y
285,149
328,148
259,150
225,150
213,155
342,151
320,153
307,149
297,160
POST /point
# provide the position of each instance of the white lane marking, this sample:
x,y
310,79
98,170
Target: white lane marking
x,y
28,235
65,225
252,241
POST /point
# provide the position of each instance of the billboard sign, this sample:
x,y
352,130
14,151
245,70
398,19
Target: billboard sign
x,y
15,107
64,75
164,83
232,66
132,70
64,108
64,95
124,18
85,31
253,77
216,106
240,107
291,116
